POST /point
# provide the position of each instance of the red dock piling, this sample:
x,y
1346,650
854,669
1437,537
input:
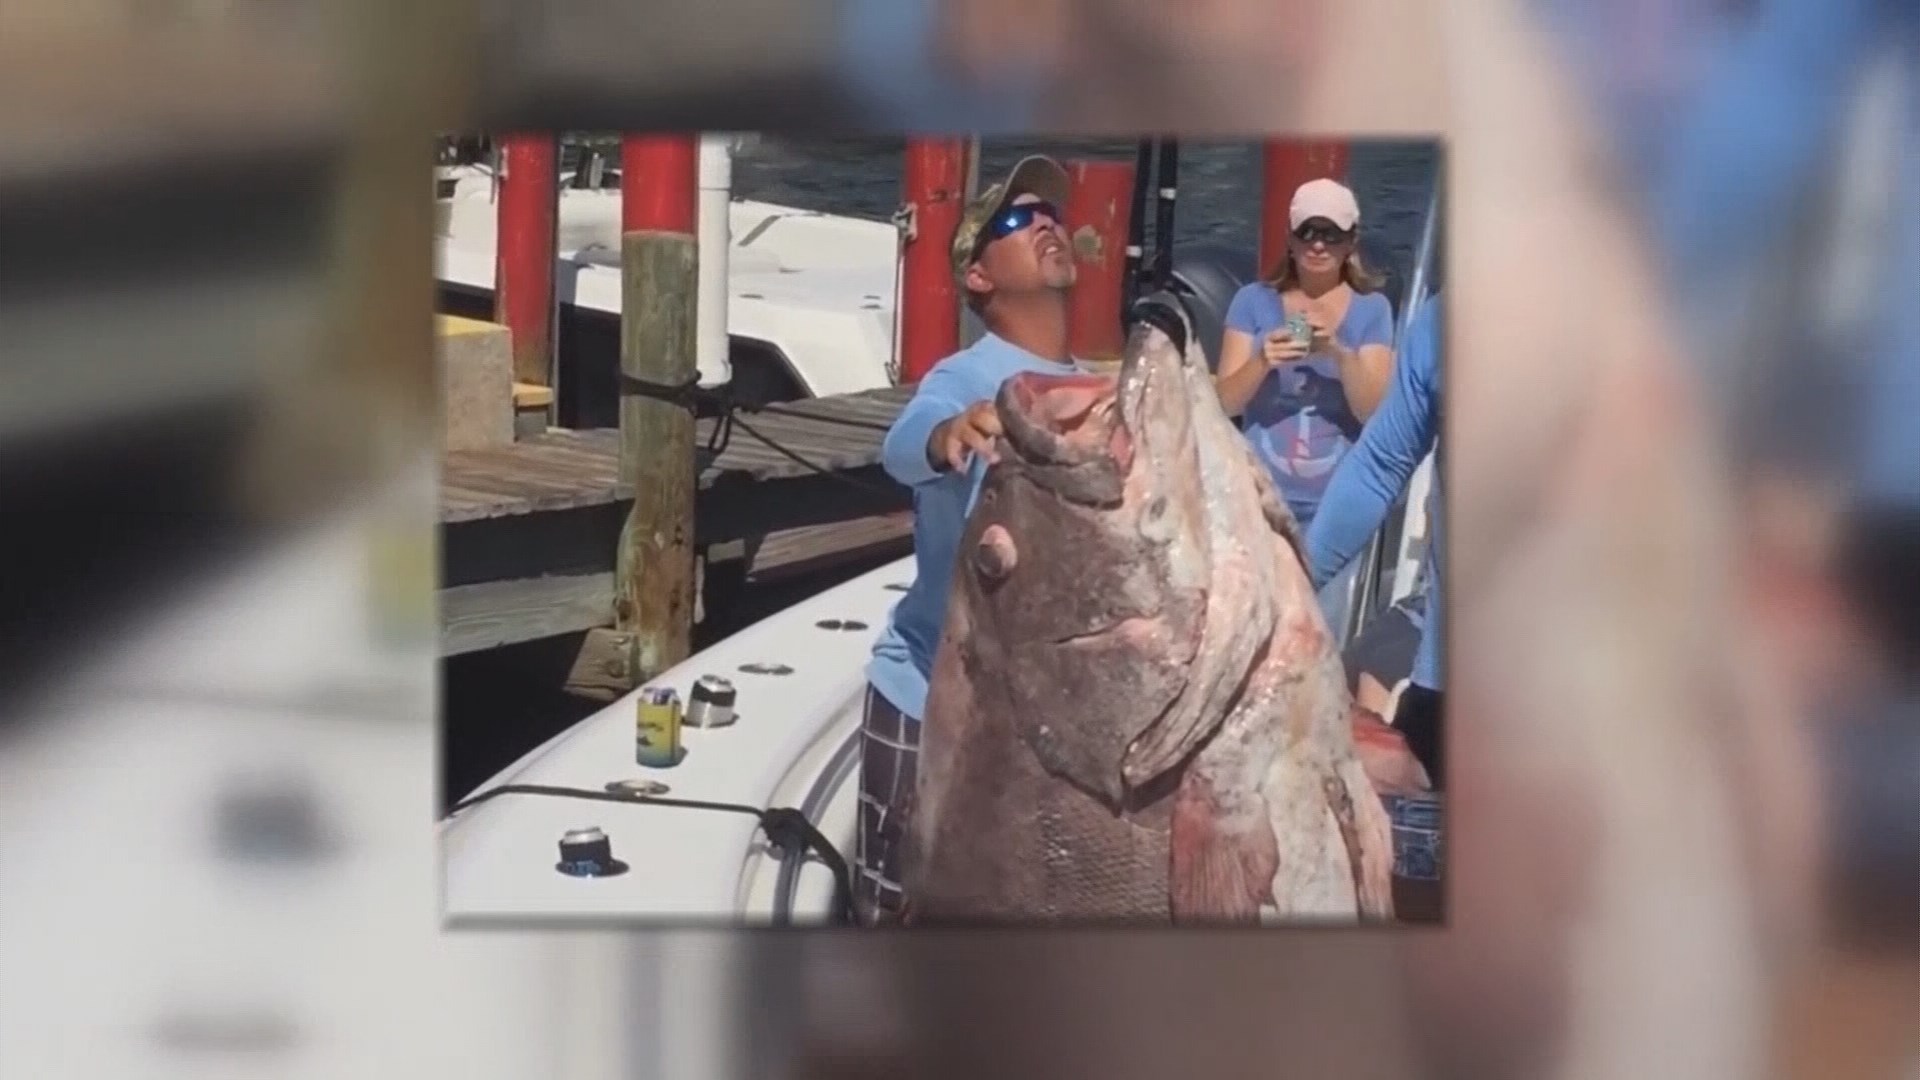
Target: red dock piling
x,y
659,183
933,183
524,251
1288,164
1096,213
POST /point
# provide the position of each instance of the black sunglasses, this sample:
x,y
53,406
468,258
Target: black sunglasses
x,y
1012,219
1324,232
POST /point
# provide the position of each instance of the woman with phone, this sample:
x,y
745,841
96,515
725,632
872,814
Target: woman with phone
x,y
1308,353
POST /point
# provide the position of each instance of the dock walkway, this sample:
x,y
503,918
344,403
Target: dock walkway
x,y
529,530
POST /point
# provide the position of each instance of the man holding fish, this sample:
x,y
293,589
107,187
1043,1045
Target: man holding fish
x,y
1012,260
1110,692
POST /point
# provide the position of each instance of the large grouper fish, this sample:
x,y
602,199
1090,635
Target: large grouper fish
x,y
1137,713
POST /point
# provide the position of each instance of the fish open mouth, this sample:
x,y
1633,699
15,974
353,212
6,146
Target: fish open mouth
x,y
1065,419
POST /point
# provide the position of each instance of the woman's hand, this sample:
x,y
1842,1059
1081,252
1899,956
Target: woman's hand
x,y
1322,340
1278,347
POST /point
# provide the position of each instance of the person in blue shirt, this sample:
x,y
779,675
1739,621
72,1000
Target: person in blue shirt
x,y
1302,403
1013,261
1365,486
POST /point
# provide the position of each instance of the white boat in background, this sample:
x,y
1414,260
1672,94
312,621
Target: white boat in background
x,y
809,298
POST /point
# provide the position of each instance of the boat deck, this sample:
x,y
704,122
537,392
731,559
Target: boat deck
x,y
529,530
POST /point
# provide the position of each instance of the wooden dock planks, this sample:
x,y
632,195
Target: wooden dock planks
x,y
529,531
562,469
799,551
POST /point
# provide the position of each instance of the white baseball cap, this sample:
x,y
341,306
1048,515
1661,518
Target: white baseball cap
x,y
1324,198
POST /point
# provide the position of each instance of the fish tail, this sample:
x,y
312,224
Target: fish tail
x,y
1221,864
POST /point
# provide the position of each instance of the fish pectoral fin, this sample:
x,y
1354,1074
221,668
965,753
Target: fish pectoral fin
x,y
1221,864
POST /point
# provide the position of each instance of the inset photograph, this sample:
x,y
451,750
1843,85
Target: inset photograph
x,y
941,531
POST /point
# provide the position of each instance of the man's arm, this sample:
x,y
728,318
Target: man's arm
x,y
941,396
1377,470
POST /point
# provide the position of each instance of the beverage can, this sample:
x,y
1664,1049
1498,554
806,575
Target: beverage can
x,y
657,727
710,703
1298,327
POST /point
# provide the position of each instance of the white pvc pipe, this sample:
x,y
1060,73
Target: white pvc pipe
x,y
716,243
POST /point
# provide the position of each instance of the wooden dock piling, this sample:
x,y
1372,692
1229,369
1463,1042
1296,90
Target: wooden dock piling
x,y
654,572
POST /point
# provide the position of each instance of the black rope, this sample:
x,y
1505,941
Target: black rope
x,y
691,396
885,489
786,829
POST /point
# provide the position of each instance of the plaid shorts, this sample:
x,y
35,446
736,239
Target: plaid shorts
x,y
889,754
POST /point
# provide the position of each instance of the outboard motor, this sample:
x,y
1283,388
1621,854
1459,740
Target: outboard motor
x,y
1204,278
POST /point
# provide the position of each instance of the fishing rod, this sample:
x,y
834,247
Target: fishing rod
x,y
1132,280
1168,183
1158,161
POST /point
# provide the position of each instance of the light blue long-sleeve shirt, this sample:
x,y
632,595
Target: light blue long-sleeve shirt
x,y
1374,473
903,654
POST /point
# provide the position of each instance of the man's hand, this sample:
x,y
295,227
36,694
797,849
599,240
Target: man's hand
x,y
955,440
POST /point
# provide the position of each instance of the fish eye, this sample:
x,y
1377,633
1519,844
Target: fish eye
x,y
996,554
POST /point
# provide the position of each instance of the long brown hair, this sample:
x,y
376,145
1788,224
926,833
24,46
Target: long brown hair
x,y
1354,271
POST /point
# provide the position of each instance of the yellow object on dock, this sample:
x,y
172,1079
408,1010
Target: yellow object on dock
x,y
476,383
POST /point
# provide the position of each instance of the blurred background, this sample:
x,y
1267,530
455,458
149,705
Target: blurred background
x,y
1684,484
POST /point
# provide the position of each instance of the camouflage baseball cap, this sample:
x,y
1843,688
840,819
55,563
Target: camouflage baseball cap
x,y
1037,173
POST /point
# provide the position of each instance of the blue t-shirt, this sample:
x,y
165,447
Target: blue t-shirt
x,y
1405,427
1299,420
903,654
